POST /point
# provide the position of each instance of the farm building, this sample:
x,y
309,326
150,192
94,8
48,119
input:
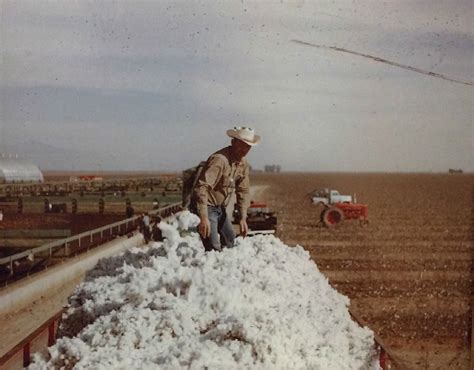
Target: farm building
x,y
15,170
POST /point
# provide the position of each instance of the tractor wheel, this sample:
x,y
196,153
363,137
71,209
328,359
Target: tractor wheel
x,y
333,216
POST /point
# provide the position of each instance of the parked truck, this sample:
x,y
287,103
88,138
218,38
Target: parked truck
x,y
327,196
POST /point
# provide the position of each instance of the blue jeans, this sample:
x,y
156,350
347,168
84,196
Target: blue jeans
x,y
222,233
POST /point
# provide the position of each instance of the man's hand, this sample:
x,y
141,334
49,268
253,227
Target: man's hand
x,y
244,229
204,227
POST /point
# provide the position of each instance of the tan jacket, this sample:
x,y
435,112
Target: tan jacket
x,y
218,180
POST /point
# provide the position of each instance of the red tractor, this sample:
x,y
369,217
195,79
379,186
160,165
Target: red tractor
x,y
335,214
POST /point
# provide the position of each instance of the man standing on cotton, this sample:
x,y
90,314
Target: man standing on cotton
x,y
225,171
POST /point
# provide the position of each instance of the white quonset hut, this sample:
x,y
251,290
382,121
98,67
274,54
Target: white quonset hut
x,y
15,170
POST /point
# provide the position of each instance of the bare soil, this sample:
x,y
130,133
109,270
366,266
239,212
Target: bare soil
x,y
409,272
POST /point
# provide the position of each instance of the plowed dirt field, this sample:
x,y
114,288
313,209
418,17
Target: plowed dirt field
x,y
409,272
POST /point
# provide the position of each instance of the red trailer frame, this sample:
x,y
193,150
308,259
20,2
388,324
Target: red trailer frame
x,y
50,327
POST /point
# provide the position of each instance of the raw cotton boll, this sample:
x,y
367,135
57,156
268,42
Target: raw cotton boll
x,y
187,252
170,232
259,305
187,220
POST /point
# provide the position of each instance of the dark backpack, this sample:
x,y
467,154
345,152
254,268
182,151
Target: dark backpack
x,y
190,179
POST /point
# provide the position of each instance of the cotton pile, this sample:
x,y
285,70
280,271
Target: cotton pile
x,y
171,305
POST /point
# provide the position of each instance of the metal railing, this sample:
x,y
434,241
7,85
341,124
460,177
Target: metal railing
x,y
117,228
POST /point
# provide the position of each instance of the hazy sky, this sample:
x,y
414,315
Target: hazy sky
x,y
154,85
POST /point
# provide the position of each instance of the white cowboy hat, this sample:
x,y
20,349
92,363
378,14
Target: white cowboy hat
x,y
245,134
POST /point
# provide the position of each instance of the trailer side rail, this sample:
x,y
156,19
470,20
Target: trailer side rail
x,y
117,228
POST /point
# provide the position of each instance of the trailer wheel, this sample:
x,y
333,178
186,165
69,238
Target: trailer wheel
x,y
333,216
